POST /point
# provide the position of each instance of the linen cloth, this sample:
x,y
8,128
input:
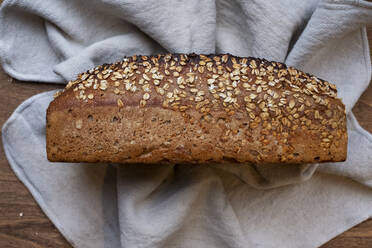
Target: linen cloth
x,y
110,205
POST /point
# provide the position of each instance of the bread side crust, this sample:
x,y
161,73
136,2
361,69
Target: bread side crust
x,y
180,113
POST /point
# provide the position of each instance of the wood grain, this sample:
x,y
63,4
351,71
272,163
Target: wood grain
x,y
34,229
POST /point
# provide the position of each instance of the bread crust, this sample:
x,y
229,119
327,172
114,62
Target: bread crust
x,y
188,108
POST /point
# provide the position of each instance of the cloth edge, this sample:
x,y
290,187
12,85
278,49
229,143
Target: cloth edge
x,y
367,56
29,77
20,174
337,231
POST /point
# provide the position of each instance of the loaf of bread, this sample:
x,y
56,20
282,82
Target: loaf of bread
x,y
188,108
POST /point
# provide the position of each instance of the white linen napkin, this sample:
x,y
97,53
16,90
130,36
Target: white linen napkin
x,y
187,206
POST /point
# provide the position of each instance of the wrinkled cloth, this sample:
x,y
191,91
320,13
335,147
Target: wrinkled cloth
x,y
108,205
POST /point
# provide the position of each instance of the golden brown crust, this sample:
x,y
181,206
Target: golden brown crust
x,y
196,109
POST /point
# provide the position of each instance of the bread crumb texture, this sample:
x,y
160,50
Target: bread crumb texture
x,y
189,108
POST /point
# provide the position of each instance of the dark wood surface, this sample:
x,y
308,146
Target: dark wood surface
x,y
23,224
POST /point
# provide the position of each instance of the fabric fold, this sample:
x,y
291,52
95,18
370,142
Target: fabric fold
x,y
189,206
332,42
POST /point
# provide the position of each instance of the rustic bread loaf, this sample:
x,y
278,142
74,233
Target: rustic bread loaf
x,y
192,108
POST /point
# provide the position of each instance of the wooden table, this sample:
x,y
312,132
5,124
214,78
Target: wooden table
x,y
23,224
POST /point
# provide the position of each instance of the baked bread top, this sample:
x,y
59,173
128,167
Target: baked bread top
x,y
288,115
